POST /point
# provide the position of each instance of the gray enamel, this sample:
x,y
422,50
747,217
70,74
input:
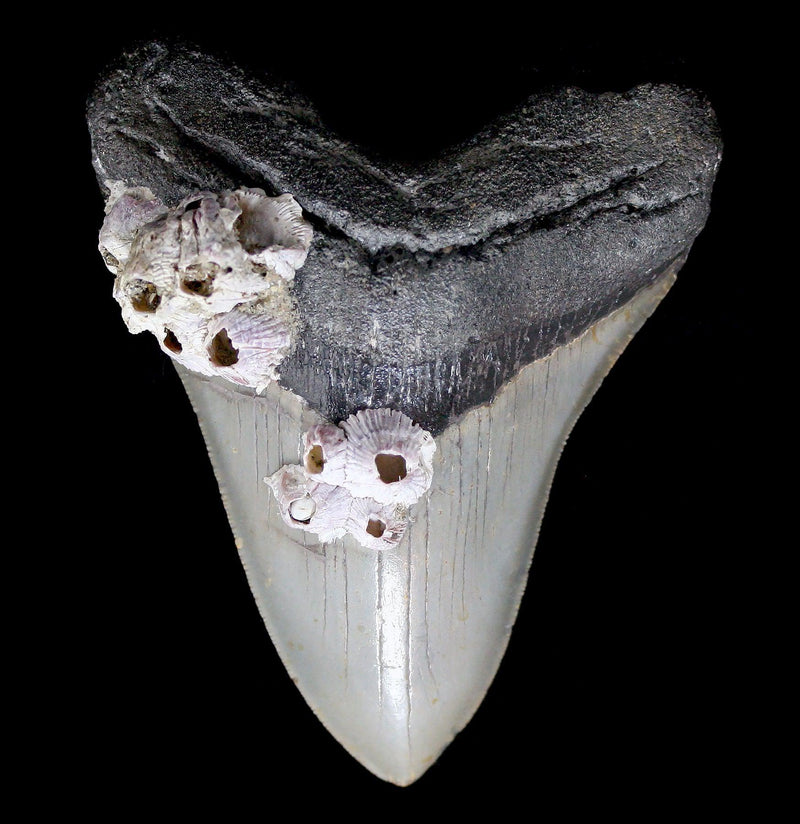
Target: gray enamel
x,y
395,650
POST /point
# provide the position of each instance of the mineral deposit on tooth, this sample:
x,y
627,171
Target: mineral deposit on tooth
x,y
208,277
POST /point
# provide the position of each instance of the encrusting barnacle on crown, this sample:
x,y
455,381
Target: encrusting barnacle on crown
x,y
323,452
323,509
376,525
334,491
209,278
388,456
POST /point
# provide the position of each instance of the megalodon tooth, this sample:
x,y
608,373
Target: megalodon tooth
x,y
387,355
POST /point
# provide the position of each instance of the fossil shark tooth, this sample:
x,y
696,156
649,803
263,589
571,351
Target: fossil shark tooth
x,y
387,356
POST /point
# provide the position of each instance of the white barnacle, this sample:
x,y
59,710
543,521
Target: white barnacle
x,y
184,340
321,509
247,343
389,457
323,452
127,210
377,526
272,230
360,478
210,278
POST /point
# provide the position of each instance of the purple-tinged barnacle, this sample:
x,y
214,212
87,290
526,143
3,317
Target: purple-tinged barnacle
x,y
377,526
323,452
247,343
127,211
272,230
210,277
213,269
145,285
184,340
321,509
388,456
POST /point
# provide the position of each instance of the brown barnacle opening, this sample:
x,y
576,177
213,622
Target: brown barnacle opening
x,y
391,468
315,460
222,352
376,528
143,296
200,281
172,343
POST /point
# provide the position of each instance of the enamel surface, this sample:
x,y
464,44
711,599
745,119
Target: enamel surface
x,y
394,650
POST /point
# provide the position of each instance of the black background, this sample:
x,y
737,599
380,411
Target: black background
x,y
636,677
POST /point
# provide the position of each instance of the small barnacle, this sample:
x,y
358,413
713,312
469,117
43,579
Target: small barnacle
x,y
302,510
388,456
184,340
323,451
247,343
212,267
321,509
375,525
272,230
127,211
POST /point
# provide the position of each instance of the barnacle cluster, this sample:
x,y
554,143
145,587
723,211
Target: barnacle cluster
x,y
359,478
210,277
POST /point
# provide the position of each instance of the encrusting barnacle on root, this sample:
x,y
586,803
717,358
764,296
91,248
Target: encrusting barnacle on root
x,y
210,278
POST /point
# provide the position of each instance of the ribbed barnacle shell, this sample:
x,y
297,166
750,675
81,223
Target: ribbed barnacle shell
x,y
127,210
272,230
388,456
375,525
321,509
323,452
247,343
146,284
209,278
213,267
185,341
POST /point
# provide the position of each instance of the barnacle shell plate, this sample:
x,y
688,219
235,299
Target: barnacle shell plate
x,y
323,453
321,509
247,343
388,456
215,262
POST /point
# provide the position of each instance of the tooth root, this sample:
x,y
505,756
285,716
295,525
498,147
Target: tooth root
x,y
395,650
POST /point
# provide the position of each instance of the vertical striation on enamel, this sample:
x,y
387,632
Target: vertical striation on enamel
x,y
210,278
